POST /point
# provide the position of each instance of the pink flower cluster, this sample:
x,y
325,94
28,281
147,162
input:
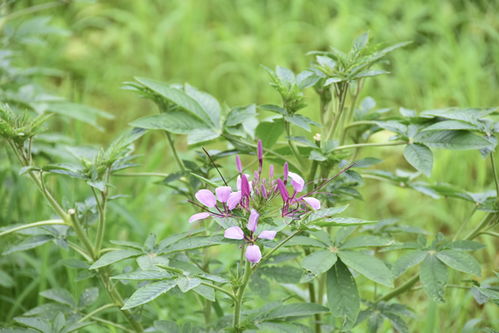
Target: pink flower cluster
x,y
249,197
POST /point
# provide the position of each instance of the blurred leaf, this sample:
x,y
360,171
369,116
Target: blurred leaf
x,y
453,140
143,275
420,157
295,310
176,122
366,241
282,274
60,296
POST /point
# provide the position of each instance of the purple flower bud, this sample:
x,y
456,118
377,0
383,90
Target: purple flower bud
x,y
312,202
245,186
267,234
206,197
260,155
253,254
239,165
198,216
234,233
271,171
234,200
253,220
223,193
282,190
264,191
285,172
296,181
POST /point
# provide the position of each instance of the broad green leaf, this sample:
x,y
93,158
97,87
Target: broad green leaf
x,y
177,122
319,262
420,157
369,266
269,132
285,75
143,275
465,245
342,294
148,293
88,297
460,260
193,243
114,256
42,325
450,125
304,241
209,103
366,241
205,291
407,261
80,112
323,213
281,327
179,98
343,222
301,121
433,276
295,310
282,274
470,115
453,140
202,135
60,296
186,283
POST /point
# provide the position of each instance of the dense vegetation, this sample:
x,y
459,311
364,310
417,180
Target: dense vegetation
x,y
339,180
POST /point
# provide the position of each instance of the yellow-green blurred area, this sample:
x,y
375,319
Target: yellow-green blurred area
x,y
219,47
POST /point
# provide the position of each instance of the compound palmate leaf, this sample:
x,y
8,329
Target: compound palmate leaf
x,y
148,293
342,294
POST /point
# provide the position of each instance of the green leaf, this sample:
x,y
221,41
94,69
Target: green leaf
x,y
460,261
6,280
469,115
433,276
28,244
205,291
323,213
295,310
342,294
88,297
143,275
83,113
450,125
366,241
407,261
453,140
60,296
282,274
177,122
186,283
193,243
343,222
148,293
209,103
465,245
114,256
369,266
301,121
39,324
269,132
420,157
304,241
178,98
319,262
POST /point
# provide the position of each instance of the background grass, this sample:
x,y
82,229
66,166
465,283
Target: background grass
x,y
218,46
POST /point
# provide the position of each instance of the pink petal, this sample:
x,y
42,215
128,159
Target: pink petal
x,y
223,193
296,181
238,183
234,233
198,216
253,254
267,234
253,220
234,200
206,197
312,202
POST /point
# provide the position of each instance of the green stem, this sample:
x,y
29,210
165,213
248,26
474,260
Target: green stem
x,y
93,313
291,143
142,174
174,150
101,227
222,290
239,297
32,225
494,172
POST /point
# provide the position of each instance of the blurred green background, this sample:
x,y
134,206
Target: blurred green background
x,y
218,46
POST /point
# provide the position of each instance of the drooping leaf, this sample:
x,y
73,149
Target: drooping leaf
x,y
177,122
369,266
342,294
148,293
433,276
453,140
420,157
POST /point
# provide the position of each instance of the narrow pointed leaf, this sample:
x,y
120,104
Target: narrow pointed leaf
x,y
342,294
420,157
113,257
433,276
369,266
148,293
460,261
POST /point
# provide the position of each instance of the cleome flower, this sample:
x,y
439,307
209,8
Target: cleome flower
x,y
253,195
